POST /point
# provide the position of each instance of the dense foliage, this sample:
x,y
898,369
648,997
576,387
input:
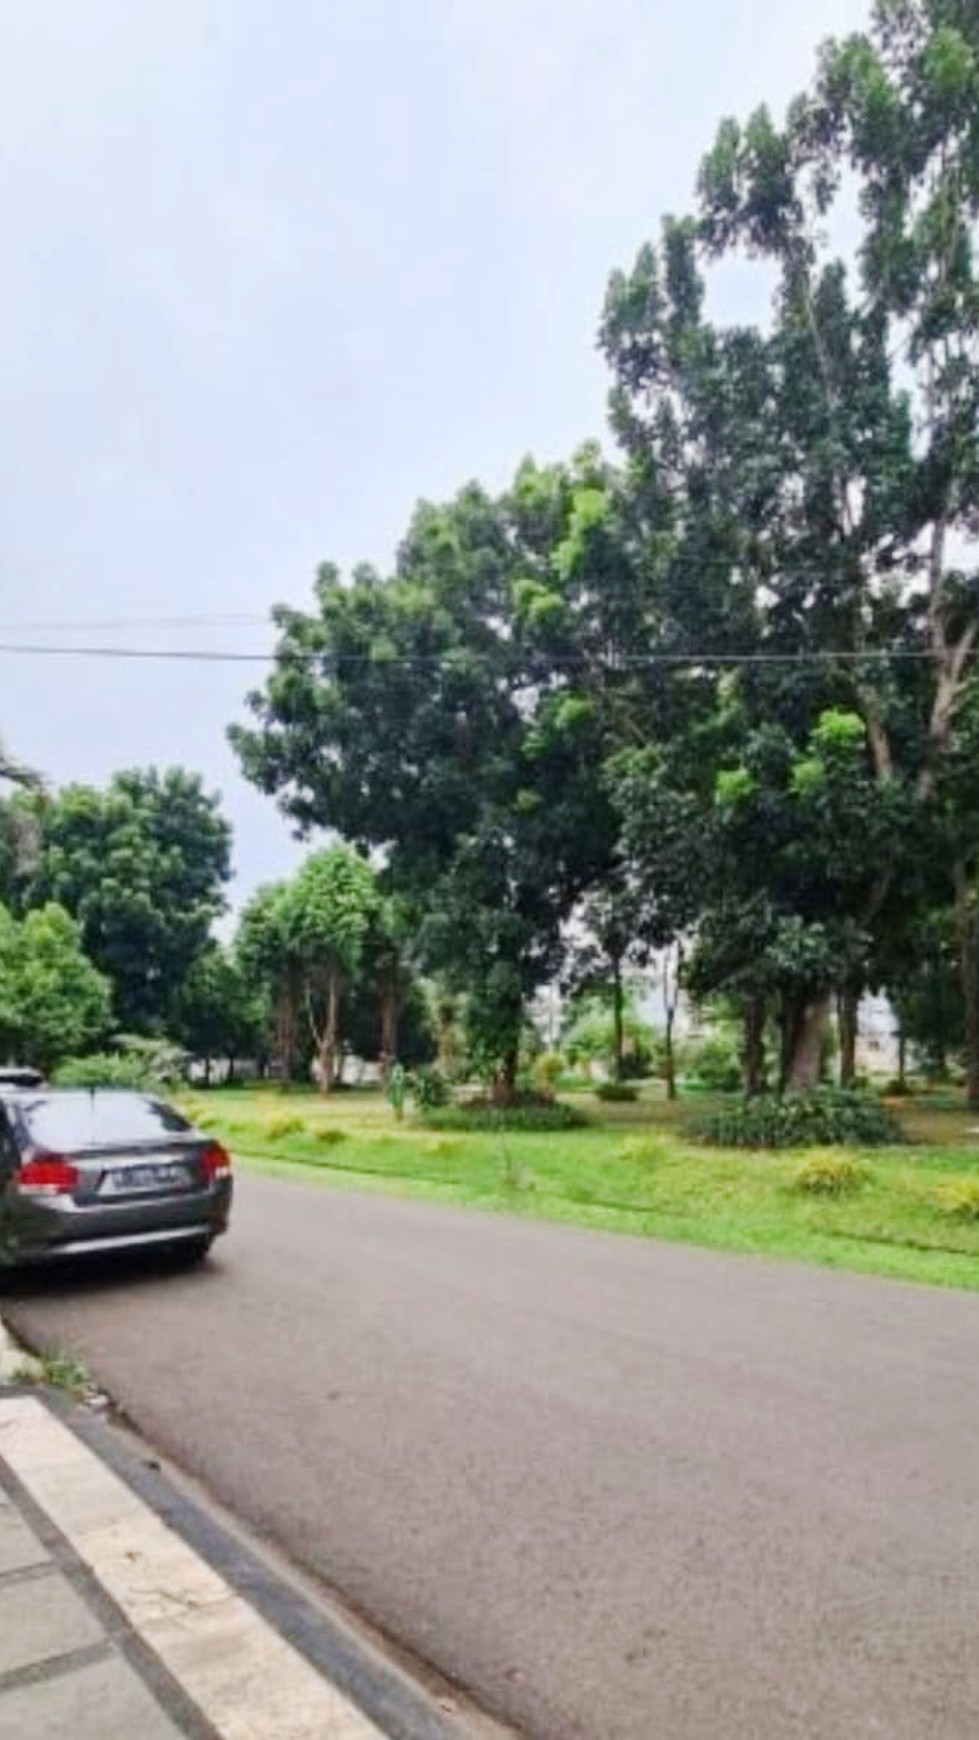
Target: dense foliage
x,y
823,1118
110,1069
327,955
724,691
142,867
53,1001
557,1116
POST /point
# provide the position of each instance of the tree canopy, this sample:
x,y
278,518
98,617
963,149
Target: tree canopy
x,y
435,718
52,1000
724,688
142,866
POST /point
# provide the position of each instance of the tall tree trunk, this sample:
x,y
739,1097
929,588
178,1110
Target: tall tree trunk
x,y
389,1024
805,1050
287,1023
669,1055
446,1035
754,1046
328,1038
207,1072
788,1018
505,1081
847,1013
967,925
902,1055
672,969
617,1036
282,1036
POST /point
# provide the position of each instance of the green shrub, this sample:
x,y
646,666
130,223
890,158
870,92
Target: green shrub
x,y
829,1175
329,1138
147,1065
713,1065
548,1070
111,1069
640,1065
164,1061
960,1199
277,1129
556,1116
589,1037
824,1118
430,1088
614,1091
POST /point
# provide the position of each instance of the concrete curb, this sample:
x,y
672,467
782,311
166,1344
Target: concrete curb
x,y
402,1709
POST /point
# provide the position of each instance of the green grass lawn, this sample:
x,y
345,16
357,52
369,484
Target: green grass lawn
x,y
636,1170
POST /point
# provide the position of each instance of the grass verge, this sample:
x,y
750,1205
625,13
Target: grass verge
x,y
904,1212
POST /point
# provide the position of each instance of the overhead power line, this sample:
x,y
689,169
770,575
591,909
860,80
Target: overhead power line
x,y
435,661
684,563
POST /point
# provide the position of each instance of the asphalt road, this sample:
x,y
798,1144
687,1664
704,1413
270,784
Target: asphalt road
x,y
616,1488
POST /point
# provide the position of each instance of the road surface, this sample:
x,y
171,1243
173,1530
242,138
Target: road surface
x,y
618,1489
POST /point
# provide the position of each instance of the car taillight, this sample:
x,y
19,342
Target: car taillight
x,y
50,1176
217,1162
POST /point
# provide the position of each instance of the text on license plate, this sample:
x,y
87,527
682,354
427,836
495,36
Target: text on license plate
x,y
160,1175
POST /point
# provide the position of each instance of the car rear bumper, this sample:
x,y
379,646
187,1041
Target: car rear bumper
x,y
43,1231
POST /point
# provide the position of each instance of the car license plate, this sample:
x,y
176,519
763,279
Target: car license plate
x,y
156,1175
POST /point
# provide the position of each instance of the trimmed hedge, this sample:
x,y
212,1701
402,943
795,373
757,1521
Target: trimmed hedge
x,y
616,1091
557,1116
824,1118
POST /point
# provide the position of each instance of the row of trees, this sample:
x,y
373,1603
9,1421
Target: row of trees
x,y
330,955
108,900
723,688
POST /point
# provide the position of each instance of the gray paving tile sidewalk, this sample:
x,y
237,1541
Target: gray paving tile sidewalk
x,y
62,1672
127,1610
113,1623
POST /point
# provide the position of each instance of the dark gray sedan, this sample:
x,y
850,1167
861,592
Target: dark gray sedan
x,y
104,1170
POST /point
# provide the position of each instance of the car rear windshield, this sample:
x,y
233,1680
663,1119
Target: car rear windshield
x,y
68,1122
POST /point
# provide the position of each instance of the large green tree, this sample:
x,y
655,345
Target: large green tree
x,y
219,1013
287,935
53,1002
269,965
892,116
142,866
749,653
814,480
439,716
328,910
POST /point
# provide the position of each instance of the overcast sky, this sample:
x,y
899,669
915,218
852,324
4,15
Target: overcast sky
x,y
271,273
